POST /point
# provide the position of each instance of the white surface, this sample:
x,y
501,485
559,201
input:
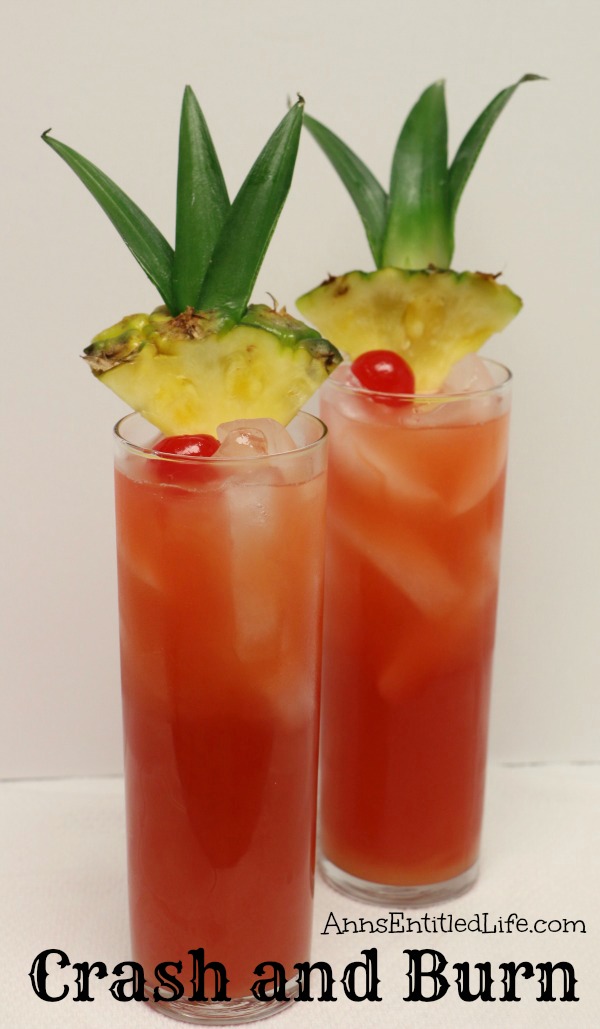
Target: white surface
x,y
108,76
63,886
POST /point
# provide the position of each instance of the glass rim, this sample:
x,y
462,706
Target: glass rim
x,y
425,398
152,455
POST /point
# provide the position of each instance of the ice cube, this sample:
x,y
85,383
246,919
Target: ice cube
x,y
401,478
241,440
414,568
383,466
278,438
274,438
480,475
287,688
254,522
468,375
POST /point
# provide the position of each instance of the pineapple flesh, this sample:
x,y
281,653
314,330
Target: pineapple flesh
x,y
431,318
184,377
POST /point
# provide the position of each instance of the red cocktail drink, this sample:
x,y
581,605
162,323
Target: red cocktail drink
x,y
414,525
220,578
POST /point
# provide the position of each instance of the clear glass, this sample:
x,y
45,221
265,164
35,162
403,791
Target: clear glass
x,y
415,501
220,597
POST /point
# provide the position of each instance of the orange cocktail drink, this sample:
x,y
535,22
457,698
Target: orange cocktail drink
x,y
415,504
220,579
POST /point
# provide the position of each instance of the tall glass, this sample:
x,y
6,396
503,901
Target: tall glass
x,y
416,490
220,594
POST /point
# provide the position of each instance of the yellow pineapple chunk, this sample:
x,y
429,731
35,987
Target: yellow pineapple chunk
x,y
188,374
431,318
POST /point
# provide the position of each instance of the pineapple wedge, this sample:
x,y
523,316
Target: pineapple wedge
x,y
431,318
183,377
413,303
206,356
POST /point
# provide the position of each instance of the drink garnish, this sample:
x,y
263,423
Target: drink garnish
x,y
384,371
207,355
198,445
414,303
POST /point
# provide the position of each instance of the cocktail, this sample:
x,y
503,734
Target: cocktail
x,y
220,533
220,654
418,434
413,545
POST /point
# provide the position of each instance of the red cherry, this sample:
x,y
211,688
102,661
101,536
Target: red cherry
x,y
200,445
189,473
384,371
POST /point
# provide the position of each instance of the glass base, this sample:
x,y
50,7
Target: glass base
x,y
233,1012
405,896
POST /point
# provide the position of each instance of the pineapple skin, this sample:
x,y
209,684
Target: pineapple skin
x,y
430,317
190,373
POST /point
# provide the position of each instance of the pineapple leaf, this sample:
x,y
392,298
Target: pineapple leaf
x,y
251,222
202,203
370,199
471,146
147,244
419,228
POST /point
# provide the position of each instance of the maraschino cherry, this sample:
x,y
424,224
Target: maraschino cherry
x,y
187,473
199,445
384,371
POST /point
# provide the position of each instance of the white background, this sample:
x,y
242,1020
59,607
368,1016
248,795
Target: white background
x,y
108,78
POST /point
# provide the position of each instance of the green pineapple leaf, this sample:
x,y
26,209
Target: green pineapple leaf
x,y
413,227
147,244
251,222
370,199
202,203
471,146
419,229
